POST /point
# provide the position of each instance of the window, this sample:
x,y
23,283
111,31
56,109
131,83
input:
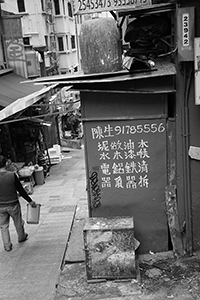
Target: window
x,y
69,6
52,43
26,40
21,5
67,42
79,19
46,41
63,7
73,42
42,5
57,7
60,44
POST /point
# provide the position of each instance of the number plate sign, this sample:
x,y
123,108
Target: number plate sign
x,y
92,6
185,33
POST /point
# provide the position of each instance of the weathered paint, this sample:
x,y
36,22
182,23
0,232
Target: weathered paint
x,y
173,220
146,202
110,248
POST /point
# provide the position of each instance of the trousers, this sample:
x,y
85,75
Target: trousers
x,y
15,213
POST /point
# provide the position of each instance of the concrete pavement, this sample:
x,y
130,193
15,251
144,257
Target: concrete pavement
x,y
30,271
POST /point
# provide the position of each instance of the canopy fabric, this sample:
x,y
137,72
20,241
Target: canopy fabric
x,y
11,88
15,96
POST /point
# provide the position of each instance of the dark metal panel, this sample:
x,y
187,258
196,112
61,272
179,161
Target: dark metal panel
x,y
171,152
125,182
173,221
97,105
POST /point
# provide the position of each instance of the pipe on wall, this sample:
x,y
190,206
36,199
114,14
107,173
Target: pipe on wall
x,y
188,71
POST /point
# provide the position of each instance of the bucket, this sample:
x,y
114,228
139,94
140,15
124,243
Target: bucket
x,y
33,214
39,176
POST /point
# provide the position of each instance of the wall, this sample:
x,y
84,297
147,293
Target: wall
x,y
188,187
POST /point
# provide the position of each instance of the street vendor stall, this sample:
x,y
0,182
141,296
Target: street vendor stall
x,y
139,123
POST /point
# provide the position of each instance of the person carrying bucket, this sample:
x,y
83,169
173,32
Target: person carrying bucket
x,y
10,205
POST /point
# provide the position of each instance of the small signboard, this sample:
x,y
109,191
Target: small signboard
x,y
185,36
127,173
93,6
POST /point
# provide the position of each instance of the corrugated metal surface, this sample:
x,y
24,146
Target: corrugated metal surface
x,y
11,88
163,67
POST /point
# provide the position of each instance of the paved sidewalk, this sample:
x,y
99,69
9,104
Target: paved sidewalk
x,y
30,271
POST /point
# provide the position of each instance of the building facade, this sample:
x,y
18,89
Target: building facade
x,y
48,33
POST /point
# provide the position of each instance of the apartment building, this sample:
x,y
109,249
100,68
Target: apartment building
x,y
49,35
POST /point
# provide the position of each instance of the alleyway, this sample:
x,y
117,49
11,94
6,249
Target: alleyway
x,y
42,269
30,271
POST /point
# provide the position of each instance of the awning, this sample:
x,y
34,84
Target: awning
x,y
16,96
11,88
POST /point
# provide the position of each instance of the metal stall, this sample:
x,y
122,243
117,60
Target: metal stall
x,y
129,120
142,131
128,136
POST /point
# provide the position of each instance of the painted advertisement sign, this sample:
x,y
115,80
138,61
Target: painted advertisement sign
x,y
14,45
93,6
127,172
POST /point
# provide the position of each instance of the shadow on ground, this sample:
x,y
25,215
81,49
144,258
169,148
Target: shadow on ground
x,y
161,276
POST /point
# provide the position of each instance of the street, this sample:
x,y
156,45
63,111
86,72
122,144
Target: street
x,y
51,265
31,269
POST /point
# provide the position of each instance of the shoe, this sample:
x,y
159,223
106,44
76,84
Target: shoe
x,y
26,238
9,249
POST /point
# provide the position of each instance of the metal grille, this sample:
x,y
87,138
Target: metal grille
x,y
54,197
56,209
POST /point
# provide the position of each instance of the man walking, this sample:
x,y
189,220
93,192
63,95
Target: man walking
x,y
10,205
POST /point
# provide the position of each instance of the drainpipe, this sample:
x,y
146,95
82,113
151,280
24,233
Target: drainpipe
x,y
77,42
188,71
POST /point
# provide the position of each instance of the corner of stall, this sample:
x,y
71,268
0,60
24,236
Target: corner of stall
x,y
141,126
28,129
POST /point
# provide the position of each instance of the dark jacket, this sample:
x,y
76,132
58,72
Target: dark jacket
x,y
9,186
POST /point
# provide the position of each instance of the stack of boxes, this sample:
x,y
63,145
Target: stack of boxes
x,y
55,154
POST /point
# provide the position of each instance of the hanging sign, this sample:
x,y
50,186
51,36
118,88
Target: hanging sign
x,y
93,6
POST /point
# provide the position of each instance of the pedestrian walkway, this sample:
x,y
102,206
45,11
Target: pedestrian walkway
x,y
30,271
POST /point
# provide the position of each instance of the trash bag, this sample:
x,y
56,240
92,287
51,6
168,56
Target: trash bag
x,y
145,31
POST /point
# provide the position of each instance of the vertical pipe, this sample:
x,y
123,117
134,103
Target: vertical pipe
x,y
189,232
186,163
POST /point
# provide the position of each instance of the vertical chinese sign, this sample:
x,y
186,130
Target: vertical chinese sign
x,y
127,173
185,33
14,45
